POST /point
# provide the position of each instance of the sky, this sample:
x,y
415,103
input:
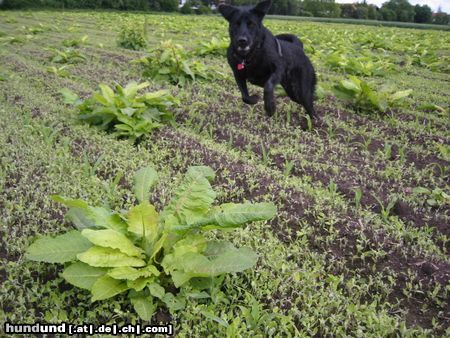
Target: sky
x,y
433,4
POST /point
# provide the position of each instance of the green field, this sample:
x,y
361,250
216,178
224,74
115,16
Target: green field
x,y
355,249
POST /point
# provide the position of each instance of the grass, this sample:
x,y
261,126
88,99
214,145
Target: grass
x,y
353,251
365,22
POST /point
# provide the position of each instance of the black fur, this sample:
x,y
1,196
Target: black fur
x,y
265,60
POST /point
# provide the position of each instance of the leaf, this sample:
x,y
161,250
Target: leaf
x,y
193,198
215,318
59,249
104,218
107,287
353,84
144,179
73,203
107,93
132,88
421,190
69,97
107,257
143,221
156,290
232,215
112,239
78,217
174,303
400,94
218,258
140,283
127,272
144,306
82,275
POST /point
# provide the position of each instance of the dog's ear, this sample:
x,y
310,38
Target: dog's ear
x,y
262,8
227,11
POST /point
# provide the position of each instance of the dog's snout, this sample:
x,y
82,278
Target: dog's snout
x,y
242,41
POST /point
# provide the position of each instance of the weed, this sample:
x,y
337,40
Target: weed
x,y
145,253
124,111
132,36
170,62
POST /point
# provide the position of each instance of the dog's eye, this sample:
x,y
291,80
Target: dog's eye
x,y
250,24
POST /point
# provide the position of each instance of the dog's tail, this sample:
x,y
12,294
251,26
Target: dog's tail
x,y
290,38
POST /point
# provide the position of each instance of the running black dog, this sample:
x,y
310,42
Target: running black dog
x,y
265,60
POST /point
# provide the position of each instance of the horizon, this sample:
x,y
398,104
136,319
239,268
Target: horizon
x,y
433,4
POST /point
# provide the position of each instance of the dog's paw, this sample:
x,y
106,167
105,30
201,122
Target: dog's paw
x,y
251,99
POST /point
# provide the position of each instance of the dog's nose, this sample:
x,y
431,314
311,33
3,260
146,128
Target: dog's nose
x,y
242,41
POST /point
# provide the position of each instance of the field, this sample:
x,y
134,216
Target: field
x,y
355,249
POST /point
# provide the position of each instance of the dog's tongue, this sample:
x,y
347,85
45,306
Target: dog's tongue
x,y
240,66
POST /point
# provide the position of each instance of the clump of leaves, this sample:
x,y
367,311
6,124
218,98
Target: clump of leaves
x,y
363,97
68,55
132,36
123,110
358,65
213,47
59,71
434,198
170,62
75,42
12,40
147,253
40,28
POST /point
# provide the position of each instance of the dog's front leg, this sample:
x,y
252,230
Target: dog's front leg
x,y
242,85
269,99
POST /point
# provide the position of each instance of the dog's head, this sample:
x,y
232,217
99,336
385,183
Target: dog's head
x,y
245,25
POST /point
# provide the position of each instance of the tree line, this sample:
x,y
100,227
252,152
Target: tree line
x,y
392,10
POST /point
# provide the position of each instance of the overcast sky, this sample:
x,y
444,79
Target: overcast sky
x,y
433,4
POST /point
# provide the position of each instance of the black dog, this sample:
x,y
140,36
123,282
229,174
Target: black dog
x,y
255,54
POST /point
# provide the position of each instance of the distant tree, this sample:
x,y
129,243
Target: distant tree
x,y
348,10
322,8
423,14
372,13
362,12
402,9
168,5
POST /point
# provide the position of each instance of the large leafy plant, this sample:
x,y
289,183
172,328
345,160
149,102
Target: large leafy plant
x,y
364,65
363,96
132,36
68,55
213,47
123,110
147,253
170,62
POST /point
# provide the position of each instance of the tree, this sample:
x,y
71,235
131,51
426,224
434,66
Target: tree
x,y
402,9
322,8
423,14
372,12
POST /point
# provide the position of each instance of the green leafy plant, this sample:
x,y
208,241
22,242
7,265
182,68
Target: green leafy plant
x,y
362,96
40,28
434,198
123,110
145,252
68,55
59,71
213,47
363,65
132,36
12,40
170,62
75,42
